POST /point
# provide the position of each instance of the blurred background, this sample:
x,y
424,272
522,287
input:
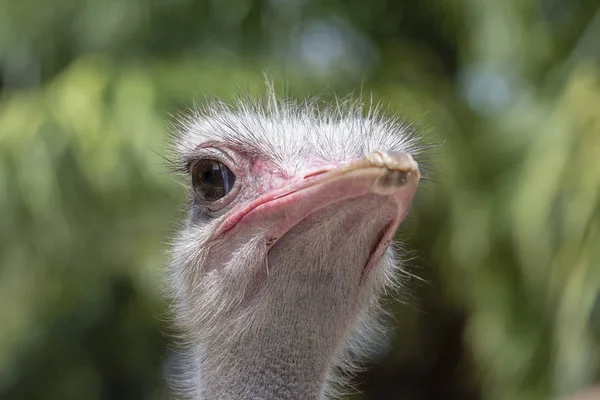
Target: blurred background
x,y
505,235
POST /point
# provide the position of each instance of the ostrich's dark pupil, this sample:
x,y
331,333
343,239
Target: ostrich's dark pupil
x,y
211,179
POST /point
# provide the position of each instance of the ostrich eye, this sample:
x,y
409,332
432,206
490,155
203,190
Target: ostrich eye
x,y
211,179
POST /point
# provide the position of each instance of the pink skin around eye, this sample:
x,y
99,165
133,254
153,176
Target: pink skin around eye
x,y
271,179
278,178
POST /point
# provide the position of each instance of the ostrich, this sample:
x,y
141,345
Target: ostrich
x,y
278,270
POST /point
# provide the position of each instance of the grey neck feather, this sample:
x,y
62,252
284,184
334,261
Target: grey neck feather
x,y
286,371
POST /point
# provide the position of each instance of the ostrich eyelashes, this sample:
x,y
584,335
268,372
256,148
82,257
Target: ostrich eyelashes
x,y
211,179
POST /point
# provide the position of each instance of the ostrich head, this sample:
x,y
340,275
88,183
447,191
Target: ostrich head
x,y
285,252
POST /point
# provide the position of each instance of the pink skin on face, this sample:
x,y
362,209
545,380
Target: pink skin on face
x,y
392,175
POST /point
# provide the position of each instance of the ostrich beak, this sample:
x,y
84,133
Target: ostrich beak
x,y
390,174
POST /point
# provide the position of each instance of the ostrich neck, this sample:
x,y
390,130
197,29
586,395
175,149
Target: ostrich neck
x,y
286,346
253,368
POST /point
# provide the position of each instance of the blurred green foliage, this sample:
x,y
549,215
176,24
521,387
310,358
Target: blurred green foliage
x,y
507,231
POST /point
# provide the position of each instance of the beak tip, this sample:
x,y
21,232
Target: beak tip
x,y
399,172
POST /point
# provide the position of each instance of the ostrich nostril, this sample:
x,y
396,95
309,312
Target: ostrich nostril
x,y
393,178
401,177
